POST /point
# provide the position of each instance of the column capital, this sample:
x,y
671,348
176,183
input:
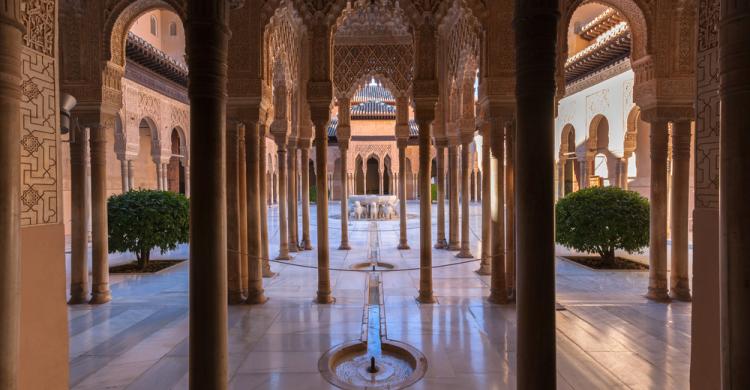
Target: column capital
x,y
666,113
304,144
402,142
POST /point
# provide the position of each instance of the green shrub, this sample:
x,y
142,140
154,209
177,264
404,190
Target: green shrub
x,y
602,219
142,220
433,192
313,194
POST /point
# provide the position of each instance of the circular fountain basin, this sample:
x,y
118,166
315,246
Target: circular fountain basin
x,y
347,366
379,266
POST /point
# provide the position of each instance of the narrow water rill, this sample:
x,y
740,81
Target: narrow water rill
x,y
373,362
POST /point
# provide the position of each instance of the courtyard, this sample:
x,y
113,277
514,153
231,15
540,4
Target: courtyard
x,y
608,334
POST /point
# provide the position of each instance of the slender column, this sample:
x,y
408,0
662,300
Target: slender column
x,y
206,48
343,149
424,121
380,181
305,152
283,234
187,180
242,201
440,167
263,186
624,173
510,210
295,199
734,40
679,282
403,242
290,196
255,293
159,176
131,174
485,266
164,177
498,280
234,270
453,243
657,283
124,174
324,295
80,214
11,31
99,233
465,251
584,173
536,25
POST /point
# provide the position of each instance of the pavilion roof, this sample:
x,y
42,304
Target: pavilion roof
x,y
148,56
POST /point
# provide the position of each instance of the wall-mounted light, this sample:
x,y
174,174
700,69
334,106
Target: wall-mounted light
x,y
67,103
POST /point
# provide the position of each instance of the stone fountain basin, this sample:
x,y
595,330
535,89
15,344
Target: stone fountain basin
x,y
399,365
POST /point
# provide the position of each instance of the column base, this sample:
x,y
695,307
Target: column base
x,y
403,245
498,298
283,256
267,273
657,294
484,269
681,294
324,298
293,248
464,254
426,297
307,245
78,300
344,246
235,298
256,298
454,246
99,298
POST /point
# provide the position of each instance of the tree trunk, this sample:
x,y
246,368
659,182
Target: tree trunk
x,y
143,258
608,257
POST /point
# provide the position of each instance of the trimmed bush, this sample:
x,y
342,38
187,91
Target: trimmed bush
x,y
601,220
142,220
433,193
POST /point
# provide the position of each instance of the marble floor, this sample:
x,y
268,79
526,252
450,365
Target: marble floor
x,y
608,335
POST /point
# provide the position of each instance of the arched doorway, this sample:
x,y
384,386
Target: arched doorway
x,y
568,159
387,176
372,176
145,168
359,176
176,168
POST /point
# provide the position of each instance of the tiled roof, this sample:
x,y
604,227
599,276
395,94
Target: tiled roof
x,y
373,110
145,54
373,91
608,48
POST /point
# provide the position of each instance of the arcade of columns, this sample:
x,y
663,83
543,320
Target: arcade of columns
x,y
271,90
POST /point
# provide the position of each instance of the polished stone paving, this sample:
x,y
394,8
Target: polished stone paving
x,y
609,336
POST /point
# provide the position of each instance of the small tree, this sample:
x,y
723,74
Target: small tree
x,y
142,220
602,219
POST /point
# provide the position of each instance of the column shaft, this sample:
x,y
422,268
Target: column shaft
x,y
324,295
465,251
510,210
485,266
440,167
498,282
242,201
79,214
11,31
290,198
131,175
403,242
679,282
124,174
159,185
425,218
657,283
206,48
99,232
734,89
234,270
343,148
263,187
306,243
536,25
453,226
282,193
255,293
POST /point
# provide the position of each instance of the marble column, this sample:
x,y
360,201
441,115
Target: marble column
x,y
424,118
679,286
403,242
131,174
11,31
536,26
440,167
79,214
242,201
485,266
124,174
282,194
165,177
263,187
453,226
324,295
343,148
255,294
624,173
305,165
510,210
584,164
465,250
380,181
234,270
291,195
187,180
99,232
657,283
498,279
295,198
159,176
734,40
206,53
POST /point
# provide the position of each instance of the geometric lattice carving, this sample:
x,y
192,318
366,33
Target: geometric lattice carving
x,y
39,19
394,63
39,196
